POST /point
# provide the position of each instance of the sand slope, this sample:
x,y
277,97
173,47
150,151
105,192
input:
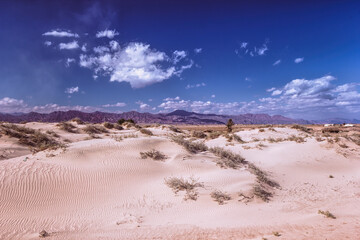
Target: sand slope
x,y
102,189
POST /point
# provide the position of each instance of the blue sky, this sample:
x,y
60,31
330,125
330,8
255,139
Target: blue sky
x,y
298,59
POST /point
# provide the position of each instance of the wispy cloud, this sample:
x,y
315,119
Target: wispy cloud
x,y
252,51
69,61
47,43
69,46
178,55
60,33
299,60
195,85
198,50
119,104
277,62
72,90
107,33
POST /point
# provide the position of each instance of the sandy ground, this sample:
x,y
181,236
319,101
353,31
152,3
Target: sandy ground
x,y
102,189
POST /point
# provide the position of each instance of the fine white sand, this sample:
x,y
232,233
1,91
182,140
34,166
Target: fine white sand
x,y
103,189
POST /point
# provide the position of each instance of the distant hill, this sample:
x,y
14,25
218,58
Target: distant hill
x,y
176,117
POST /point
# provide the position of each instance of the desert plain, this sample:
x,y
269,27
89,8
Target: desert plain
x,y
77,180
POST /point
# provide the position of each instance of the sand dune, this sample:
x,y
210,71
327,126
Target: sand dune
x,y
102,189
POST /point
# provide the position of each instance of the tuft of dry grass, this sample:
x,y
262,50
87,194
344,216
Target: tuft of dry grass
x,y
302,128
213,135
296,139
93,129
227,158
67,127
146,132
198,134
261,130
327,214
260,192
330,130
175,129
192,147
276,234
108,125
238,139
52,133
220,196
154,154
78,121
180,184
261,176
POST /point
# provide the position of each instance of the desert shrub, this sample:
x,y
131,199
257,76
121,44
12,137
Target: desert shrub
x,y
260,146
146,132
198,134
43,234
260,192
302,128
214,135
327,214
180,184
296,139
261,176
154,154
67,127
227,158
122,120
93,129
238,139
229,125
118,127
343,145
52,133
275,140
276,234
77,120
175,129
130,135
192,147
261,130
319,139
109,125
330,130
220,196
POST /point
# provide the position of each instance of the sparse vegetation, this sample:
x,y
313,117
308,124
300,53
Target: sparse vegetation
x,y
43,234
93,129
327,214
154,154
220,196
146,132
77,120
192,147
238,139
302,128
227,158
276,234
175,129
260,192
67,127
199,134
330,130
122,120
229,125
213,135
261,130
52,133
108,125
296,139
180,184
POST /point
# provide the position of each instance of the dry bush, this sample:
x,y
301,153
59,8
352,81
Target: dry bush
x,y
93,129
261,176
146,132
262,193
213,135
78,121
154,154
272,129
192,147
118,127
319,139
276,234
302,128
108,125
343,145
354,138
180,184
220,196
260,146
327,214
296,139
238,139
275,140
227,158
130,135
261,130
330,130
255,139
175,129
67,127
198,134
34,139
52,133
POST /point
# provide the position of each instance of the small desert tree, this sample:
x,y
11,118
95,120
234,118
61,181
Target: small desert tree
x,y
229,125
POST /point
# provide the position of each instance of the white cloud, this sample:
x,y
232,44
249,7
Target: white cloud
x,y
114,45
69,61
107,33
299,60
119,104
83,48
277,62
195,85
60,33
72,90
143,106
213,96
255,51
270,89
9,105
47,43
243,45
101,49
171,99
136,64
69,46
178,55
198,50
248,79
276,92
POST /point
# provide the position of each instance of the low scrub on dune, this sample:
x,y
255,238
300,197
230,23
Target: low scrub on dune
x,y
175,129
67,127
220,197
302,128
261,176
260,192
327,214
296,139
180,184
227,158
146,132
192,147
34,139
78,121
213,135
330,130
93,129
153,154
52,133
198,134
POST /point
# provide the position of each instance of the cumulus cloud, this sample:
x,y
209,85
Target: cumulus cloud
x,y
47,43
119,104
243,45
198,50
277,62
213,96
60,33
107,33
8,105
276,92
69,46
72,90
270,89
299,60
178,55
83,48
195,85
143,106
136,63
